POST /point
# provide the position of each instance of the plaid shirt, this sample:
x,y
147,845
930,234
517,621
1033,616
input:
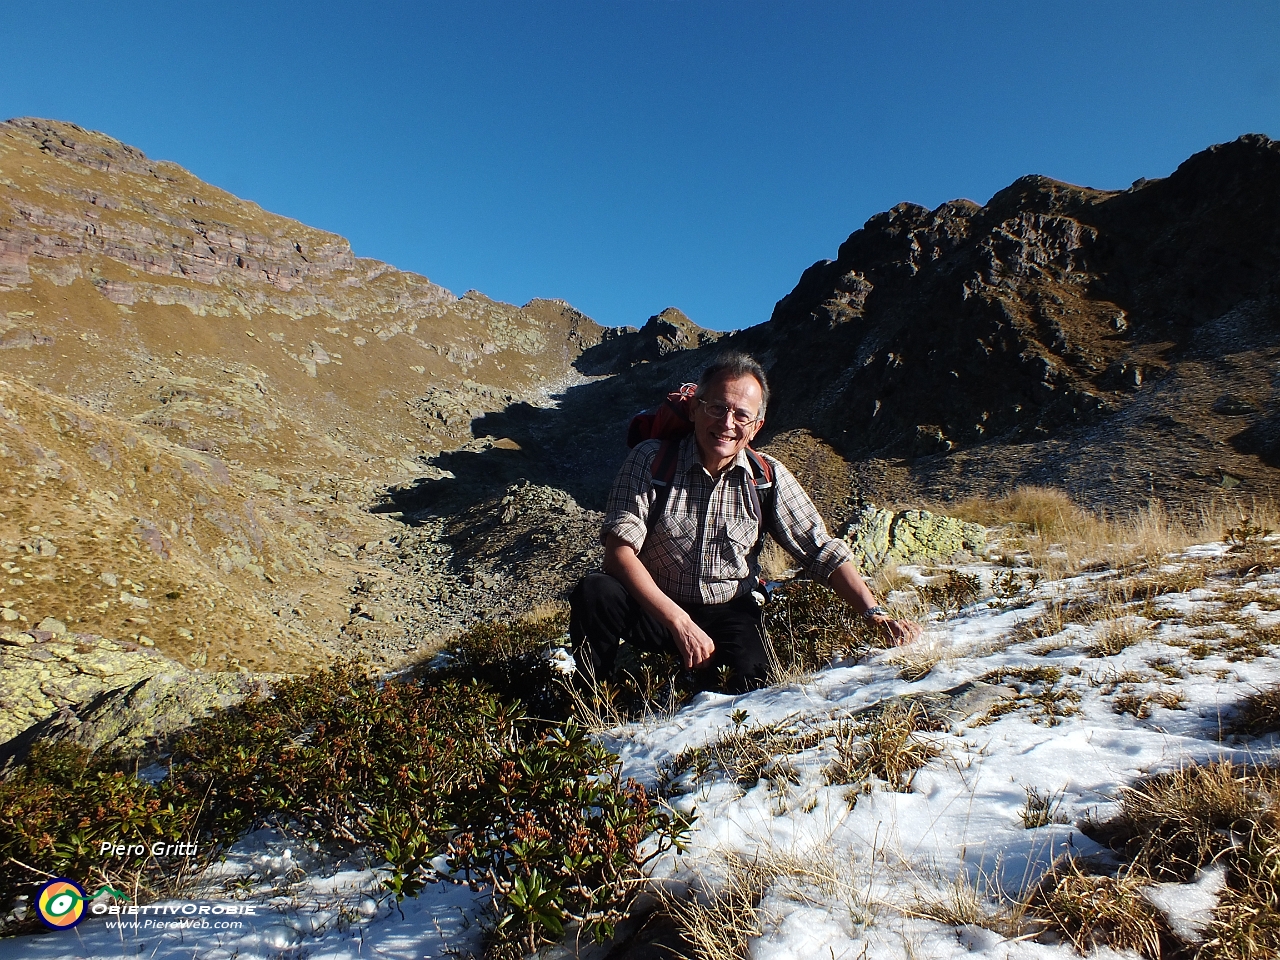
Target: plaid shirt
x,y
704,546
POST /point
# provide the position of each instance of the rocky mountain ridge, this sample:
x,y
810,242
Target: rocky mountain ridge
x,y
1120,344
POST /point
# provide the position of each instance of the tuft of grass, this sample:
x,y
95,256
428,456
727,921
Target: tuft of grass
x,y
1251,642
919,659
1256,716
720,920
1062,537
1140,704
1058,614
953,592
884,746
775,563
1040,691
1044,511
888,579
1100,911
1167,667
1118,635
743,755
1170,826
1041,809
962,903
1245,926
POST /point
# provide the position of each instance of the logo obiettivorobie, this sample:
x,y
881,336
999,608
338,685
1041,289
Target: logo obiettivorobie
x,y
61,902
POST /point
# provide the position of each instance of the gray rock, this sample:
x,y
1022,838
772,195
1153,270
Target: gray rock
x,y
55,627
146,711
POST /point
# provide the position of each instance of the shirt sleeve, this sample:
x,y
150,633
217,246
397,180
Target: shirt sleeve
x,y
627,512
798,527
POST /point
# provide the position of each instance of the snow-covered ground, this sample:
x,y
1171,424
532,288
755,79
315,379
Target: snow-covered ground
x,y
849,874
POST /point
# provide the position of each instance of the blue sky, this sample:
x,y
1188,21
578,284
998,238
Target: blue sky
x,y
628,156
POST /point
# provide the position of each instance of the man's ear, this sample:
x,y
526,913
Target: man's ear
x,y
755,428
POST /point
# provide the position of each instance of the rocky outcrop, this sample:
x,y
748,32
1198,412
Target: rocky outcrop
x,y
166,243
47,669
1051,307
142,714
662,334
877,535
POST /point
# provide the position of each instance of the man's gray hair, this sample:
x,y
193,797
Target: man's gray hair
x,y
732,366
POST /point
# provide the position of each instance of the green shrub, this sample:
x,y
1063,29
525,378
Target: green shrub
x,y
510,659
399,770
558,837
57,810
346,757
811,627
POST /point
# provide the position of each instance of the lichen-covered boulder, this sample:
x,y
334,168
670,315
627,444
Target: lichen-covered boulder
x,y
910,536
921,534
868,535
143,712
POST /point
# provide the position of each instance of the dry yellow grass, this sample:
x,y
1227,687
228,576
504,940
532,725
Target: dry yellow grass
x,y
1095,911
719,920
1062,537
720,916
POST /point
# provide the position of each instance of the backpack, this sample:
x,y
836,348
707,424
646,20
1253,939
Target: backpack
x,y
670,423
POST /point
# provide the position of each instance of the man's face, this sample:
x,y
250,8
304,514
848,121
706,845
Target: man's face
x,y
720,439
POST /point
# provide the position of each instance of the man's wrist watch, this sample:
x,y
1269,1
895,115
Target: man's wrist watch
x,y
876,611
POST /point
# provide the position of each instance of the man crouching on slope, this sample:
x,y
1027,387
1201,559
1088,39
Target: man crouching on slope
x,y
682,579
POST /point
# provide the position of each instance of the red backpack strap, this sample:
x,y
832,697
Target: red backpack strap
x,y
761,469
663,471
761,489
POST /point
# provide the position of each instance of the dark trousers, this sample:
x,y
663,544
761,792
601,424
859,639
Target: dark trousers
x,y
604,613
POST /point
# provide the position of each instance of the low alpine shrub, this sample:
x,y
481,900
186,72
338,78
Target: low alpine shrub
x,y
399,771
59,808
510,659
559,837
811,627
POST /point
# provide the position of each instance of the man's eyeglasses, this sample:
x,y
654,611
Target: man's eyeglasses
x,y
716,411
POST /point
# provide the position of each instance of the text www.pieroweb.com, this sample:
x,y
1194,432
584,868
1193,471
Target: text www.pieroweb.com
x,y
187,916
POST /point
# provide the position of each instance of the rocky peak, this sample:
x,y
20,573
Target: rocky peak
x,y
1051,308
663,334
671,330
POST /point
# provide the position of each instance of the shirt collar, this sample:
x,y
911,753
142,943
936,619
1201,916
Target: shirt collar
x,y
688,458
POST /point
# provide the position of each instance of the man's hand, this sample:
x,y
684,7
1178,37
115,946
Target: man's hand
x,y
848,583
621,562
902,631
696,648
